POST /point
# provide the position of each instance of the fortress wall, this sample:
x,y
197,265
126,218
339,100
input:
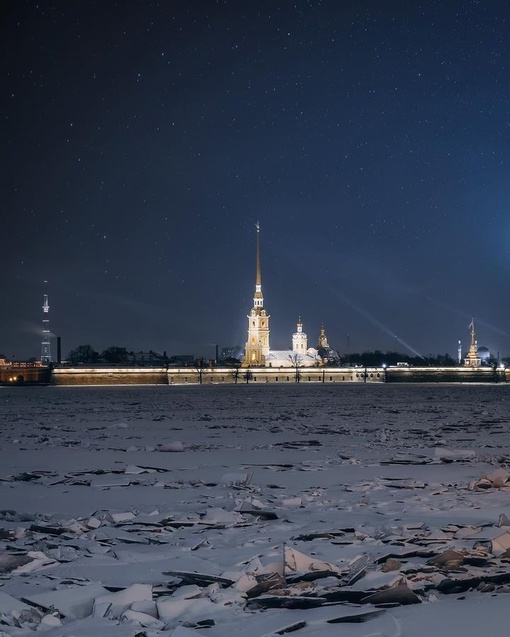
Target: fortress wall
x,y
211,376
109,376
25,375
283,375
444,375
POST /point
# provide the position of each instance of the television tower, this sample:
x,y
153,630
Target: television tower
x,y
45,345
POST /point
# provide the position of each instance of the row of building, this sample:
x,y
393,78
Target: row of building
x,y
257,350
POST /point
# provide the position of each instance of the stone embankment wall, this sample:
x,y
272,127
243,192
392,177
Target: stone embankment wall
x,y
109,376
25,375
446,375
252,375
211,376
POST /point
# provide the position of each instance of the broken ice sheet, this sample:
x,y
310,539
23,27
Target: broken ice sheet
x,y
236,479
143,619
373,580
9,603
297,562
454,455
75,602
257,509
133,469
223,517
92,627
401,594
109,480
121,601
192,610
497,479
38,560
9,562
500,544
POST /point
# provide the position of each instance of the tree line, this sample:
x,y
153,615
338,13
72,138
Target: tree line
x,y
87,354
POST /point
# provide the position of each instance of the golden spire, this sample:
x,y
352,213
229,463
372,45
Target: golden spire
x,y
258,277
473,341
258,299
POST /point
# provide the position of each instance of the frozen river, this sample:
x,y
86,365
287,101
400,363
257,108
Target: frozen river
x,y
254,510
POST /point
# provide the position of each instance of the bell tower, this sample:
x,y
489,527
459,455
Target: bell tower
x,y
257,345
323,339
299,339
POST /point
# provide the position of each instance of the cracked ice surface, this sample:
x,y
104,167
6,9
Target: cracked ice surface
x,y
254,510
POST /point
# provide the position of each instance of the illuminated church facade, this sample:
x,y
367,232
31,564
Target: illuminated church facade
x,y
257,350
257,346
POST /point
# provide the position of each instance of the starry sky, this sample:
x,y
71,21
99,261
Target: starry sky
x,y
142,140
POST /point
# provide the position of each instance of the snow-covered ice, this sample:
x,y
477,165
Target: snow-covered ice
x,y
255,511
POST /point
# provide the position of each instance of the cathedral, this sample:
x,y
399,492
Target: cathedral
x,y
257,350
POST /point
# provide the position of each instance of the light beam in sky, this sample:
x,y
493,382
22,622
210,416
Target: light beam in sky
x,y
377,323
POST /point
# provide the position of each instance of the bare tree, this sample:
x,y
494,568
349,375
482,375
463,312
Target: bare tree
x,y
235,371
200,365
296,360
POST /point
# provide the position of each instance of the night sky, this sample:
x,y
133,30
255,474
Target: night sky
x,y
141,142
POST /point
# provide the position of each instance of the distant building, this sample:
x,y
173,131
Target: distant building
x,y
484,355
145,358
181,360
472,359
327,354
234,351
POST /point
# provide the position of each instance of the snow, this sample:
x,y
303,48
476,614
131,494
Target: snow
x,y
294,508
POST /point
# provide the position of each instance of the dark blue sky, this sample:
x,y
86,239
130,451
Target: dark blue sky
x,y
141,141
